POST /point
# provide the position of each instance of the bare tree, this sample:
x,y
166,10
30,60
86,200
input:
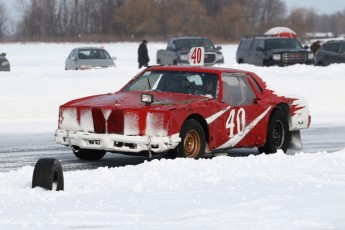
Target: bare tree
x,y
3,19
297,20
134,20
224,19
232,23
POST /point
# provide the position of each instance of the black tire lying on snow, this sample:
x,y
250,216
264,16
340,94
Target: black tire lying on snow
x,y
48,174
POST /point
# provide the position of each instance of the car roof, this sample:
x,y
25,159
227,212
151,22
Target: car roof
x,y
177,38
208,69
265,37
334,41
88,48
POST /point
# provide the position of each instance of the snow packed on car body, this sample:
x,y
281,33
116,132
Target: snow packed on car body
x,y
146,116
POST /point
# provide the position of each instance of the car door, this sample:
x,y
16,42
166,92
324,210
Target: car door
x,y
169,55
71,60
331,54
341,52
257,52
244,124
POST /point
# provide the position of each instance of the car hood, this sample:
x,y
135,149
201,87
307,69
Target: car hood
x,y
123,100
206,50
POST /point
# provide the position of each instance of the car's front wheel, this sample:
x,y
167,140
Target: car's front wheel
x,y
88,154
192,143
278,134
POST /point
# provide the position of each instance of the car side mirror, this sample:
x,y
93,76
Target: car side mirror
x,y
306,47
114,58
3,54
218,47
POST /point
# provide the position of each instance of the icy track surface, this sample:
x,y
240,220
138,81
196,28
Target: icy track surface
x,y
279,191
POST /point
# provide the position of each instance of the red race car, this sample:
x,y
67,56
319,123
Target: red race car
x,y
183,111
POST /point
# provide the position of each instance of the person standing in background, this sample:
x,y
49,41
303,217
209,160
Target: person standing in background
x,y
143,56
315,46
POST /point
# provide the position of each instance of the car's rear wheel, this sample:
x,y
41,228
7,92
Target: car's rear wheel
x,y
88,154
321,64
192,143
278,134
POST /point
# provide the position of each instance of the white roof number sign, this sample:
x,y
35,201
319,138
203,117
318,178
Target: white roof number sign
x,y
196,56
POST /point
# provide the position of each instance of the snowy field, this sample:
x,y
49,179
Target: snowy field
x,y
299,191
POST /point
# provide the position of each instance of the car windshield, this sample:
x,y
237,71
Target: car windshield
x,y
283,44
187,44
93,54
203,84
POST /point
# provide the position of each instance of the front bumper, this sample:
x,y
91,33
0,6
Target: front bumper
x,y
284,63
116,142
210,59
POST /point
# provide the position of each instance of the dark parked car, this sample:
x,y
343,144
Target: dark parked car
x,y
4,63
330,52
268,51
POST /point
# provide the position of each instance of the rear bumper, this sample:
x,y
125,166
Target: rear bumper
x,y
116,142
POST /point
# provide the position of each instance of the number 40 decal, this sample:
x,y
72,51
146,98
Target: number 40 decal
x,y
240,118
196,56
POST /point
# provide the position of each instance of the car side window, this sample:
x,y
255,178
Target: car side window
x,y
245,44
255,44
256,85
332,47
72,54
261,44
341,48
237,90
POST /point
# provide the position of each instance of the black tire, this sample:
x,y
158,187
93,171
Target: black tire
x,y
88,154
48,174
278,134
192,143
321,64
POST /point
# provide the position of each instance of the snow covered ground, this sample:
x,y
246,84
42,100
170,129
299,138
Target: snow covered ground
x,y
300,191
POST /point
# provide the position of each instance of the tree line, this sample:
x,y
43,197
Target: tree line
x,y
109,20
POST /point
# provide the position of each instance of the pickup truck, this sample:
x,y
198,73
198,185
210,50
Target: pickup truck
x,y
178,48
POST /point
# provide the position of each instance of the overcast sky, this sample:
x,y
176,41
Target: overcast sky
x,y
321,6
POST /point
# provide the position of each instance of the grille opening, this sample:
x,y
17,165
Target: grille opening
x,y
154,146
120,144
94,142
294,57
210,57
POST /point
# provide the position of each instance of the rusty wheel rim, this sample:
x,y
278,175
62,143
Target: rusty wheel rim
x,y
192,143
278,134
